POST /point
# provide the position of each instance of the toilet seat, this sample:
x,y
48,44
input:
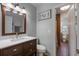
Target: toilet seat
x,y
41,48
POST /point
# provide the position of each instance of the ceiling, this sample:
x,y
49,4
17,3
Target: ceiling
x,y
41,4
36,4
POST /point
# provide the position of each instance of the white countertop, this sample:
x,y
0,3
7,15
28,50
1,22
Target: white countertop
x,y
9,42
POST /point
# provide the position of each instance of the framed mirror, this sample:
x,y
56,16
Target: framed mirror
x,y
12,23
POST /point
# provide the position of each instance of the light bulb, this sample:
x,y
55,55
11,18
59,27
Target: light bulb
x,y
23,10
14,11
17,8
8,5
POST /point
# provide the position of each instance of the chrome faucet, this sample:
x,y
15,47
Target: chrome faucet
x,y
17,35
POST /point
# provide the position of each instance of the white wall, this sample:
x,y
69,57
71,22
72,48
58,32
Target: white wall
x,y
70,20
0,21
46,28
77,5
71,26
78,26
30,19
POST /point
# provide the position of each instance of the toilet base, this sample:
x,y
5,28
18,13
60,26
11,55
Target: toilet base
x,y
40,54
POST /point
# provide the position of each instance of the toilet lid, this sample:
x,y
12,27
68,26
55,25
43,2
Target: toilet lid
x,y
41,47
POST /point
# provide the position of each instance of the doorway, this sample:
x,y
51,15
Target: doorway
x,y
64,21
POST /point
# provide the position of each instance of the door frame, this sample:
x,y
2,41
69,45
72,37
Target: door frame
x,y
58,29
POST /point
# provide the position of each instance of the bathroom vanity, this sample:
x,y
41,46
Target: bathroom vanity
x,y
24,47
14,23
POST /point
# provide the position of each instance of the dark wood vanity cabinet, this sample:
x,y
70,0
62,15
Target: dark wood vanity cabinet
x,y
30,47
23,49
10,51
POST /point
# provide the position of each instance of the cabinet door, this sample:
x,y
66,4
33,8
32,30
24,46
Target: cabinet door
x,y
13,51
30,47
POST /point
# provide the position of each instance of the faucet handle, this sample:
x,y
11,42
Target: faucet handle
x,y
16,33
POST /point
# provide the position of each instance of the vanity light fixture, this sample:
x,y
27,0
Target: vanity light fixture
x,y
23,10
15,11
7,9
65,7
14,8
17,7
9,5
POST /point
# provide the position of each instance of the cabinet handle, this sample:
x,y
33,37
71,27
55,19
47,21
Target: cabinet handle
x,y
30,43
14,50
30,49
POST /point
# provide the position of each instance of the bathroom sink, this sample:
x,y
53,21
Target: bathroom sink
x,y
19,39
16,39
28,37
11,40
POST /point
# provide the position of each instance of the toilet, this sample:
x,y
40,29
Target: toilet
x,y
41,50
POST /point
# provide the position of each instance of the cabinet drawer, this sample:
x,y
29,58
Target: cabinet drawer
x,y
31,43
29,51
29,47
14,50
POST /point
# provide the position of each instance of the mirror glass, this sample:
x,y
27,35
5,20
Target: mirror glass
x,y
13,22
